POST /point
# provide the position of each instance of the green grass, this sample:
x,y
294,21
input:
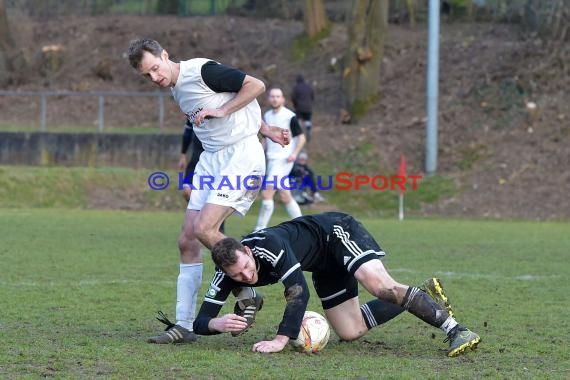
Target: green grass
x,y
80,289
82,188
362,160
125,188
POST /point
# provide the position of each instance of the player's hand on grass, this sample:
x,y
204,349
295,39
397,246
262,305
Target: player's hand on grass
x,y
208,113
228,323
275,345
276,134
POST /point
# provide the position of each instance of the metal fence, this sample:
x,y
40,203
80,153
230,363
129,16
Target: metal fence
x,y
99,95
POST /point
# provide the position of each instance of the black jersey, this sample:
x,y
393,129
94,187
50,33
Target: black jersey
x,y
281,253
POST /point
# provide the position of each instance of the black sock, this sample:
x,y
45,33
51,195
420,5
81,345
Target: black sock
x,y
377,312
424,307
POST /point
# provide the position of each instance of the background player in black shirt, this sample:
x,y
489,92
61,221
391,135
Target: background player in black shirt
x,y
196,148
340,253
189,140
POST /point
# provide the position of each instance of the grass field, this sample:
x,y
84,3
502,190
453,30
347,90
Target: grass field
x,y
126,188
79,291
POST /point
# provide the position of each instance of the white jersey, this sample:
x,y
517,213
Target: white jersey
x,y
192,95
281,119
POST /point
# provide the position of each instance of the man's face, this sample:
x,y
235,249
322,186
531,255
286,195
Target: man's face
x,y
244,270
157,69
276,98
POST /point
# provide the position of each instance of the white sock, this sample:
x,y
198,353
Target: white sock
x,y
448,325
265,212
293,209
189,281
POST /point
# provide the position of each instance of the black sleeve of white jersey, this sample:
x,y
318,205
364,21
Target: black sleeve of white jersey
x,y
216,295
221,78
296,128
296,289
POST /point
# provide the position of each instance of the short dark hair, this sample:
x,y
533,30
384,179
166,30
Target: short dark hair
x,y
224,252
138,47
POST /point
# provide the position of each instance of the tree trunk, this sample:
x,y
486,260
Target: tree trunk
x,y
6,42
315,17
470,13
361,75
6,45
410,4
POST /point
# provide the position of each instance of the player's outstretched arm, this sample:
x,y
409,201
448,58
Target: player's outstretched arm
x,y
227,323
275,345
277,135
210,309
297,296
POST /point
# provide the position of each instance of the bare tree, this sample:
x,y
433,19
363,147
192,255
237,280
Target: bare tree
x,y
550,18
361,75
410,4
6,45
315,17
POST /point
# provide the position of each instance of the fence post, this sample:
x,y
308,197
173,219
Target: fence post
x,y
43,112
101,113
160,112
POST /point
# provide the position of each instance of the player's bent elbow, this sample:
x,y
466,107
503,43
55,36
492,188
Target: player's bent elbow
x,y
254,85
261,86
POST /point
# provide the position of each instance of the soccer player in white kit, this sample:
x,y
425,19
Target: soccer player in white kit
x,y
221,104
280,160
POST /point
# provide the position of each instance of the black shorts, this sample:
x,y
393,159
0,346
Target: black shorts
x,y
197,150
304,115
350,245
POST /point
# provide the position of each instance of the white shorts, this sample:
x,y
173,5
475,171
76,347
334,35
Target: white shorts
x,y
277,174
229,177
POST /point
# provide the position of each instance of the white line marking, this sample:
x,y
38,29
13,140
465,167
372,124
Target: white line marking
x,y
490,276
86,283
170,283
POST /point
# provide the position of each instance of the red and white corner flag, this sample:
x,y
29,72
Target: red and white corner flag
x,y
401,196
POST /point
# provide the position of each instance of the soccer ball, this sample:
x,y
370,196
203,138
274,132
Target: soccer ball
x,y
314,334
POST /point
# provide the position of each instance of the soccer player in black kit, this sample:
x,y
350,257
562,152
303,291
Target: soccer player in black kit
x,y
340,253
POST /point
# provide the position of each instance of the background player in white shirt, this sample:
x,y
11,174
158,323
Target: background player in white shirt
x,y
220,104
280,160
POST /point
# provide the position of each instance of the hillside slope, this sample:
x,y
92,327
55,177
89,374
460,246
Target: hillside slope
x,y
505,163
